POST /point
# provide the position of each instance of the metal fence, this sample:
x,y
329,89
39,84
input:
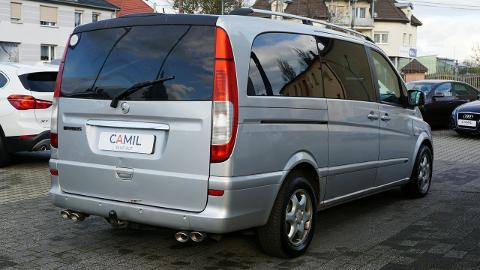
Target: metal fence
x,y
473,80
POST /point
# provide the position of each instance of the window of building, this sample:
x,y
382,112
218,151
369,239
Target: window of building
x,y
405,39
381,37
360,12
78,17
9,52
388,83
47,52
48,16
95,16
345,70
15,12
293,70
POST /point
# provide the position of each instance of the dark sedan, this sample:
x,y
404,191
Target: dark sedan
x,y
442,97
466,118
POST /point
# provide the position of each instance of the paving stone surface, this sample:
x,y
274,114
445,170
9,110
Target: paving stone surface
x,y
386,231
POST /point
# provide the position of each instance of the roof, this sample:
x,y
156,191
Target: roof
x,y
131,7
414,67
387,11
149,19
315,9
415,21
100,4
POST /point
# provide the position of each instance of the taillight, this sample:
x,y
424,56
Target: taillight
x,y
25,102
56,97
225,100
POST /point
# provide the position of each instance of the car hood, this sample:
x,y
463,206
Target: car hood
x,y
473,106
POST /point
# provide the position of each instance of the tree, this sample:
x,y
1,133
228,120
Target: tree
x,y
473,64
207,6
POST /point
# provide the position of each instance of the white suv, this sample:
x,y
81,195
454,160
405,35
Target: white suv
x,y
26,94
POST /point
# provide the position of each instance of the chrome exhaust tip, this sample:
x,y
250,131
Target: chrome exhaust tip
x,y
182,237
66,214
198,236
77,217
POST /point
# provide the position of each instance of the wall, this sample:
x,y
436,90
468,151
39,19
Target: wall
x,y
30,34
409,77
395,37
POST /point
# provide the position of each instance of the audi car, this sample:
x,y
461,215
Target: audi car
x,y
466,118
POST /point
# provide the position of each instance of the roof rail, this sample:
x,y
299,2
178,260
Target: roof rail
x,y
305,20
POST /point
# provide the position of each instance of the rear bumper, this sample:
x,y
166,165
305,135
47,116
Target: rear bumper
x,y
237,209
28,143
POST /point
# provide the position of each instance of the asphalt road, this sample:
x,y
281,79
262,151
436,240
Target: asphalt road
x,y
386,231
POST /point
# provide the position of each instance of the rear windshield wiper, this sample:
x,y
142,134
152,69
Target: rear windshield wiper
x,y
134,88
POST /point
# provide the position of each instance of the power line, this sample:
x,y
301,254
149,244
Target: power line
x,y
445,5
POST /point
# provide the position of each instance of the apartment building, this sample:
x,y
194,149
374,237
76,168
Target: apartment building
x,y
391,25
33,31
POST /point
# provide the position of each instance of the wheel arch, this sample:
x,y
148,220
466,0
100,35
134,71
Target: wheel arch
x,y
305,163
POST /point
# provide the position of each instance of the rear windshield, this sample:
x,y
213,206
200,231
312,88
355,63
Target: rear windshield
x,y
424,87
106,62
39,81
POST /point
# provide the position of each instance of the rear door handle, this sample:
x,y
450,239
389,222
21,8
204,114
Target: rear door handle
x,y
124,173
372,116
386,118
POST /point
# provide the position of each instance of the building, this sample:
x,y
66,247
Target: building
x,y
414,71
127,7
437,64
35,31
392,25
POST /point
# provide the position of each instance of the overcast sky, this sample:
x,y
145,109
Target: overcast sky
x,y
450,31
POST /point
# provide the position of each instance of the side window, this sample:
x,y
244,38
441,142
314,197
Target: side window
x,y
388,83
462,90
444,89
346,72
284,64
3,80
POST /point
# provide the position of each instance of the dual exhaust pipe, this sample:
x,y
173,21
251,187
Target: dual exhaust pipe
x,y
72,215
184,237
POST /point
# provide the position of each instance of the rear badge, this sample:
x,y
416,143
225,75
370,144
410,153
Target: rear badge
x,y
125,107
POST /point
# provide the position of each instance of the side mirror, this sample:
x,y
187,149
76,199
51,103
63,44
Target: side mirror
x,y
416,98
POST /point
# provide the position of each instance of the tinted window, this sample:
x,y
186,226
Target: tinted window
x,y
39,81
388,83
3,80
445,89
462,90
285,65
346,71
424,87
106,62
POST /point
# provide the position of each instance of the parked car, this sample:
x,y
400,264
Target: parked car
x,y
466,118
26,94
213,124
442,97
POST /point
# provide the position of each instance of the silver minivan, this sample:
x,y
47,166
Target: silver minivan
x,y
213,124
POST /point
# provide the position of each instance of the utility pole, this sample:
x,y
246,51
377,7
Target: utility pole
x,y
353,13
223,6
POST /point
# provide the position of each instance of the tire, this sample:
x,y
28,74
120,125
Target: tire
x,y
273,236
421,178
4,155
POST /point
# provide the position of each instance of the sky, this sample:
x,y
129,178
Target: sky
x,y
450,28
